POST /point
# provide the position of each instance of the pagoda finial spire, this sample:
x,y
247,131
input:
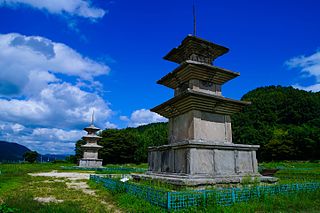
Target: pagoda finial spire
x,y
194,19
92,117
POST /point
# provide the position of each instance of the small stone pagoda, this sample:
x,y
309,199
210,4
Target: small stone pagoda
x,y
91,148
200,149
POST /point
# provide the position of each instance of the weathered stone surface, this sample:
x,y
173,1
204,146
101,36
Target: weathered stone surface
x,y
191,100
200,149
196,49
189,180
207,159
203,162
90,149
90,163
197,125
192,70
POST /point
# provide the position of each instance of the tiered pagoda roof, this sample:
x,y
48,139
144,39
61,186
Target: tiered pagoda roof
x,y
194,100
193,46
194,70
91,138
195,56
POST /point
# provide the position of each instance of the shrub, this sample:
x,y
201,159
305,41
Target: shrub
x,y
4,208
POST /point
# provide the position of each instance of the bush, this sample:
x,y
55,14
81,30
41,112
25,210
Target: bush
x,y
31,156
4,208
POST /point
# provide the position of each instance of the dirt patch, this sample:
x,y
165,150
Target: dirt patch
x,y
74,180
83,186
68,175
47,200
54,181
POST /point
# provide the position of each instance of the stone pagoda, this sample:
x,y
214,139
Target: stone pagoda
x,y
91,148
200,149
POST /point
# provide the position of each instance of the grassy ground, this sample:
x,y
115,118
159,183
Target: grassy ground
x,y
292,172
128,203
299,202
19,190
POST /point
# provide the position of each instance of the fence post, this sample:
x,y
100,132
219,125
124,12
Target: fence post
x,y
233,195
204,198
168,200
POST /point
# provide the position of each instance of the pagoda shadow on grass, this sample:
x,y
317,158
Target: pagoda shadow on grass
x,y
91,148
200,149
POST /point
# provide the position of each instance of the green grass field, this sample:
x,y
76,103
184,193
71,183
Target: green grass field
x,y
18,192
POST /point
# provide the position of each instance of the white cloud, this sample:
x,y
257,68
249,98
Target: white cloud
x,y
124,118
80,8
309,67
54,134
109,125
143,117
37,59
313,88
57,105
39,109
11,127
17,128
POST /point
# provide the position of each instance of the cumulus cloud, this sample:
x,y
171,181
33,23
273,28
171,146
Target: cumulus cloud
x,y
81,8
109,125
309,67
39,109
11,127
313,88
143,117
124,118
57,105
37,59
54,134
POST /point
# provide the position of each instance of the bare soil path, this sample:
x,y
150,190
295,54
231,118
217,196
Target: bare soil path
x,y
73,180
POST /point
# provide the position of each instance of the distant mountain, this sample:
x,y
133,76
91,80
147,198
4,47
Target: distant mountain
x,y
10,151
51,157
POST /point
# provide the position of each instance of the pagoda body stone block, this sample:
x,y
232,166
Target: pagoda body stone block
x,y
199,125
200,149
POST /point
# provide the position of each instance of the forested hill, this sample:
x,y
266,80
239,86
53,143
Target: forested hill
x,y
11,151
283,120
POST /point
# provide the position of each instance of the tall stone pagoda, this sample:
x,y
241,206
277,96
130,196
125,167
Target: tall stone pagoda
x,y
200,149
91,148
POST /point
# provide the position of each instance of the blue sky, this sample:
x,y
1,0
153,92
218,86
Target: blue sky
x,y
60,60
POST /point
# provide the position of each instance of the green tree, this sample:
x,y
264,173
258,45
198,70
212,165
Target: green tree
x,y
30,156
71,159
129,145
284,121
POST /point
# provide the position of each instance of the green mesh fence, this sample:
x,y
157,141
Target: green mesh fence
x,y
184,199
154,196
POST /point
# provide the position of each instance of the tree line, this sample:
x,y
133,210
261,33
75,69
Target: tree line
x,y
129,145
284,121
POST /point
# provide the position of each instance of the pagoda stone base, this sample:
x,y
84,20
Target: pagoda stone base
x,y
196,162
90,163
